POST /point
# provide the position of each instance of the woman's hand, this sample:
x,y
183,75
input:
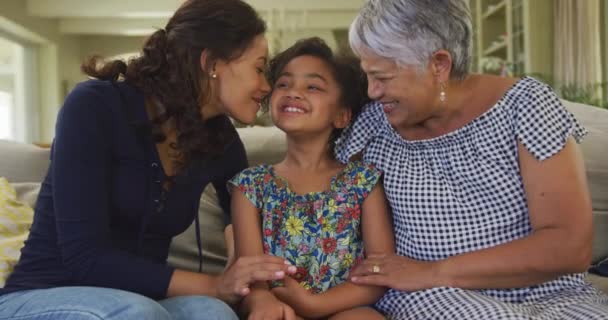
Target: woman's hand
x,y
269,308
293,294
396,272
234,283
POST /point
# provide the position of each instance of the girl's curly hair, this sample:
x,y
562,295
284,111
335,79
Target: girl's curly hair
x,y
168,71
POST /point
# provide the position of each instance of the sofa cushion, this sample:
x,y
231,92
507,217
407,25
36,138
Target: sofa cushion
x,y
263,144
600,235
27,192
23,162
598,282
183,253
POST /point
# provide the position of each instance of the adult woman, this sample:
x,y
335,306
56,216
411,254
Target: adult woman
x,y
129,163
474,169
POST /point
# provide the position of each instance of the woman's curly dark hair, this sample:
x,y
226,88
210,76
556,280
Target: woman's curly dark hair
x,y
346,70
168,71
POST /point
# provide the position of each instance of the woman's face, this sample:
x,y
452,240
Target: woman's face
x,y
408,95
241,84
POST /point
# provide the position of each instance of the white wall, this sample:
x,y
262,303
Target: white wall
x,y
6,83
110,46
105,46
288,38
58,60
604,29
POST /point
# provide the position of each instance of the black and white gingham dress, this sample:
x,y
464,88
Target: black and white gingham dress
x,y
462,192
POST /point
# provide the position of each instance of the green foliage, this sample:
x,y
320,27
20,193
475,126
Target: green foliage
x,y
586,94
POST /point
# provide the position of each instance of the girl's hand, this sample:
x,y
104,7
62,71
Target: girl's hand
x,y
234,283
396,272
271,309
293,294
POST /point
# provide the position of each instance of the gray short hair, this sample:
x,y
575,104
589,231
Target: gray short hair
x,y
410,31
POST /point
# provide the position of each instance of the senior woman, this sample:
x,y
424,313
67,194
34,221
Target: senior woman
x,y
492,214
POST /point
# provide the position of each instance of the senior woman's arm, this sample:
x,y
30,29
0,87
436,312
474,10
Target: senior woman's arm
x,y
560,215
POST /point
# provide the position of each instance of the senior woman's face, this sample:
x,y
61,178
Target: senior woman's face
x,y
405,92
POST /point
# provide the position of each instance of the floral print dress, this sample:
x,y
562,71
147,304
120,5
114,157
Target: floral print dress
x,y
318,232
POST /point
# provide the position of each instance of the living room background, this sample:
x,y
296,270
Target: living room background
x,y
43,42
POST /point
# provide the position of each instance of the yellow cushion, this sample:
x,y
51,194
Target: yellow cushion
x,y
15,221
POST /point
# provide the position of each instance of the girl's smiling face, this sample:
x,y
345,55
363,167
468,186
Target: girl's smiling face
x,y
306,98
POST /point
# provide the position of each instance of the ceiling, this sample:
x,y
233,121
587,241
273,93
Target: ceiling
x,y
141,17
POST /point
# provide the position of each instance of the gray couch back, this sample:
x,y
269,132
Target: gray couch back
x,y
21,162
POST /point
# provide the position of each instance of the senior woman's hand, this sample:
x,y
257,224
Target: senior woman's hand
x,y
396,272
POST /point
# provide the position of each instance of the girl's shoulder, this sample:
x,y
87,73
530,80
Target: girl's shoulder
x,y
355,167
360,175
255,172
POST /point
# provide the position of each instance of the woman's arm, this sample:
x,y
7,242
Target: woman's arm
x,y
81,173
230,286
378,240
192,283
561,219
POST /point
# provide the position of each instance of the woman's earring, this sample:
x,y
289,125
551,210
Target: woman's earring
x,y
214,75
442,96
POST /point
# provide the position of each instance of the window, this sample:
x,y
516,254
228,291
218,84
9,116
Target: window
x,y
18,95
8,56
6,125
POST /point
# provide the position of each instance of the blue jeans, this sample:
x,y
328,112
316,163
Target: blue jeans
x,y
89,303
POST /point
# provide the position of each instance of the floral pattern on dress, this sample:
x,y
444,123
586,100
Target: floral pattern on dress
x,y
318,232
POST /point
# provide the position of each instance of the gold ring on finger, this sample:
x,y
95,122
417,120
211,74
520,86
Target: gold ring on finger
x,y
376,268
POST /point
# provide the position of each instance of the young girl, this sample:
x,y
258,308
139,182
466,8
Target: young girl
x,y
315,212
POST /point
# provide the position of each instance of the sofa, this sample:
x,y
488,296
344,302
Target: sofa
x,y
25,165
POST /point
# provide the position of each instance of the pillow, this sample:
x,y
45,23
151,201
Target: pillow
x,y
27,192
263,144
183,253
15,221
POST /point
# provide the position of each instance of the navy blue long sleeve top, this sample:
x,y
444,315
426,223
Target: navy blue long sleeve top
x,y
102,218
